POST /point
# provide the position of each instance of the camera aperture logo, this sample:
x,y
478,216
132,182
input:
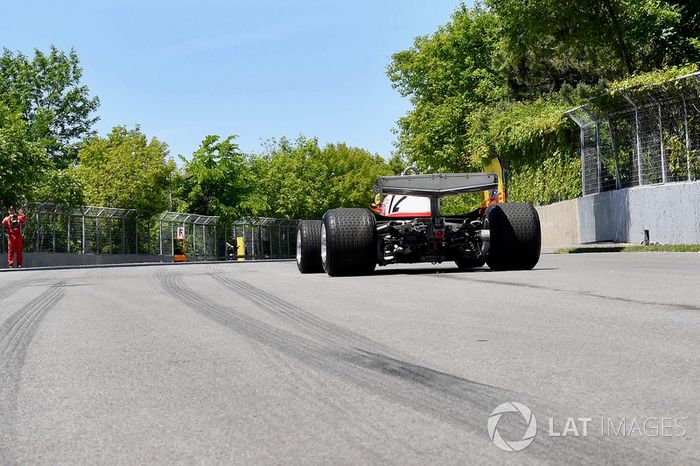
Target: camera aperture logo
x,y
606,426
528,436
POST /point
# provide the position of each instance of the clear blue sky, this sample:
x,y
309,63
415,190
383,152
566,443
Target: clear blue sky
x,y
259,69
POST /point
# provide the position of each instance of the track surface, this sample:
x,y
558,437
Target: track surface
x,y
255,363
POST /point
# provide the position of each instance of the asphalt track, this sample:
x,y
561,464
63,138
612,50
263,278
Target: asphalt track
x,y
253,363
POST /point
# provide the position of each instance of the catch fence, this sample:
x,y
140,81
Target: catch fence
x,y
105,230
644,136
264,238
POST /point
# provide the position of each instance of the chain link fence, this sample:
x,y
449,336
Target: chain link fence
x,y
105,230
649,135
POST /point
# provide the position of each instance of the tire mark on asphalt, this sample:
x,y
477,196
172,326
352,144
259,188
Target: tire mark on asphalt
x,y
327,332
303,320
303,385
11,288
266,336
591,294
16,334
463,403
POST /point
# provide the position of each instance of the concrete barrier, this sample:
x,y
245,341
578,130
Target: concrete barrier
x,y
668,213
559,223
61,259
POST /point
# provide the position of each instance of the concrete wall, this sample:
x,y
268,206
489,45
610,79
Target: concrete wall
x,y
670,212
60,259
559,223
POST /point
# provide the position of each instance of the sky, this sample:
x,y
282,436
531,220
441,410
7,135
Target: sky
x,y
257,69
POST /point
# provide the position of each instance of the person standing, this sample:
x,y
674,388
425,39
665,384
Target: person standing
x,y
13,226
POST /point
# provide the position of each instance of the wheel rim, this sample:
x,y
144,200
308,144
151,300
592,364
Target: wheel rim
x,y
323,245
299,247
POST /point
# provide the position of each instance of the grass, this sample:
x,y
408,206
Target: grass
x,y
651,248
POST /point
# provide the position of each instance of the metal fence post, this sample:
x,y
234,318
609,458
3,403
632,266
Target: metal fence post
x,y
123,235
597,154
38,232
661,144
70,220
613,146
160,236
638,139
83,220
252,238
97,235
687,136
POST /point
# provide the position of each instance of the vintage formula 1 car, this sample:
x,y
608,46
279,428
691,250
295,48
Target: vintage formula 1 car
x,y
405,226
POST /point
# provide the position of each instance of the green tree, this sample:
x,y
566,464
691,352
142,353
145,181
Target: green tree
x,y
46,89
216,180
446,76
548,44
301,179
59,187
126,170
22,161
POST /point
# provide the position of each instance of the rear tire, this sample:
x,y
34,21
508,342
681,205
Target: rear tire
x,y
309,246
349,242
516,237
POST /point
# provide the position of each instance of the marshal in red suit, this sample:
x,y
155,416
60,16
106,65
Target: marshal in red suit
x,y
13,227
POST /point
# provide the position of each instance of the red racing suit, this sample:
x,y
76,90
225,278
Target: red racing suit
x,y
13,227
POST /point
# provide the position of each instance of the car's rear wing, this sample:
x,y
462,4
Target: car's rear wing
x,y
437,185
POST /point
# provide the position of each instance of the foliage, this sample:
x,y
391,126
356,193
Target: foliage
x,y
125,169
546,44
659,77
46,89
216,180
60,187
495,81
22,161
459,205
447,76
556,178
518,130
300,179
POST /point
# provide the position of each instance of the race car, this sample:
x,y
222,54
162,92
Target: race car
x,y
404,225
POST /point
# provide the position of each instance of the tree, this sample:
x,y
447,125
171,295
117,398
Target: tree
x,y
301,179
126,170
446,76
22,161
496,79
548,44
47,91
216,180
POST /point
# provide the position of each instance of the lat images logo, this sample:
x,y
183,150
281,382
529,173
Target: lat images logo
x,y
528,436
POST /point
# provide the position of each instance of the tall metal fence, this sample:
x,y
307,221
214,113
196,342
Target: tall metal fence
x,y
105,230
649,135
265,238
